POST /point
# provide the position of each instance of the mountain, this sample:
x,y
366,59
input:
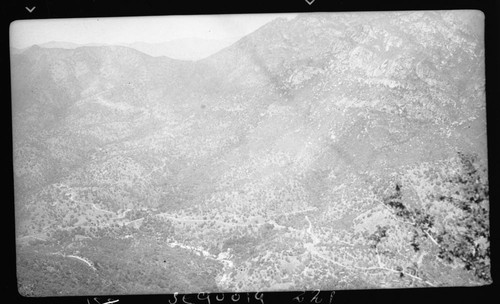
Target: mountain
x,y
14,50
182,48
327,151
66,45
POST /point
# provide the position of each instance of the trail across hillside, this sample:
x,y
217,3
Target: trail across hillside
x,y
82,259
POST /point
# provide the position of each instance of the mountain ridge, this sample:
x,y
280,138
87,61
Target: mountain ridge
x,y
322,114
189,49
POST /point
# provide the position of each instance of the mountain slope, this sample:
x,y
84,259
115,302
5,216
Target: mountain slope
x,y
278,158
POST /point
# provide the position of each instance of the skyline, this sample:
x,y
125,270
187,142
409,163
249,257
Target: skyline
x,y
120,30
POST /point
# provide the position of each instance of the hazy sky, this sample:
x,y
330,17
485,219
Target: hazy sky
x,y
24,33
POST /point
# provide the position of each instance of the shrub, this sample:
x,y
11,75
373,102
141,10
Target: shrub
x,y
471,243
468,239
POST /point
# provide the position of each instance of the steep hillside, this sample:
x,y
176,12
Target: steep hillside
x,y
332,151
